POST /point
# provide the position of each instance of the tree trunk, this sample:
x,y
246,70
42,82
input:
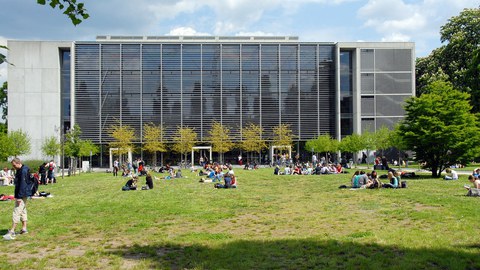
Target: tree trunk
x,y
154,159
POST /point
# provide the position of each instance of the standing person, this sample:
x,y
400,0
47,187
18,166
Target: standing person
x,y
314,160
43,173
384,163
50,172
135,165
115,167
21,195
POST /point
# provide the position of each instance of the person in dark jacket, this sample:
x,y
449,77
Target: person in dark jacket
x,y
43,173
149,180
21,195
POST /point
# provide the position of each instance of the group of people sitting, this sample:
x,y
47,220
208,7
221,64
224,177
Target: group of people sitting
x,y
215,172
309,169
361,179
131,184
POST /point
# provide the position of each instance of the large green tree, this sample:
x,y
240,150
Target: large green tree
x,y
440,127
457,59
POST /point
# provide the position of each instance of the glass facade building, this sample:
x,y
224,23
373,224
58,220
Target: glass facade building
x,y
336,88
195,84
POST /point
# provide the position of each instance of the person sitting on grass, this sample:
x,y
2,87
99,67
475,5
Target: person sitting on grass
x,y
131,184
277,170
373,181
229,182
149,180
452,175
4,197
393,181
178,174
475,190
355,177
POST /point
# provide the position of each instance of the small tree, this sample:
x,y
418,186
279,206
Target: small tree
x,y
153,140
282,136
123,136
352,144
322,144
184,139
20,143
369,142
50,147
253,141
382,138
219,135
6,146
72,146
87,148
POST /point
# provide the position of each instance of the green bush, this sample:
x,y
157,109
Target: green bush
x,y
33,164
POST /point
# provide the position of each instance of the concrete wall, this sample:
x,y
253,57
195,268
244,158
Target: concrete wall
x,y
34,91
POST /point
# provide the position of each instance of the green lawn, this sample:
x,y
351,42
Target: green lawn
x,y
269,222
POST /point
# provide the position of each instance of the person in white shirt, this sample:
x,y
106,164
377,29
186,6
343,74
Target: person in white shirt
x,y
7,176
453,175
230,170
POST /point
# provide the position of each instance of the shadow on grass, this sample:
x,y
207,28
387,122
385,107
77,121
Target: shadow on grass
x,y
298,254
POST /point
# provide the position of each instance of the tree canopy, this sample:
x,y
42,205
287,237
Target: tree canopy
x,y
75,11
322,144
184,139
457,61
282,135
440,127
221,140
123,136
252,138
50,146
153,139
20,143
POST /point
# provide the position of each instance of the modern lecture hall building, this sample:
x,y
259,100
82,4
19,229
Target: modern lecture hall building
x,y
335,88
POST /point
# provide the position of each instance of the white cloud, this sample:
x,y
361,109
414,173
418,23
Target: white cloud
x,y
396,37
255,33
401,20
185,31
230,15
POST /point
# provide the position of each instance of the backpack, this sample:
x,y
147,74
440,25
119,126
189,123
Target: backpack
x,y
32,184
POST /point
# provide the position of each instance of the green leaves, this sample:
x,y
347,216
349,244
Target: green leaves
x,y
75,11
440,127
322,144
455,60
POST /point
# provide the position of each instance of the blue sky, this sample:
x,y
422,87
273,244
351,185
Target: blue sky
x,y
311,20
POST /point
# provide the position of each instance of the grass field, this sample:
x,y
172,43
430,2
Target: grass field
x,y
269,222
